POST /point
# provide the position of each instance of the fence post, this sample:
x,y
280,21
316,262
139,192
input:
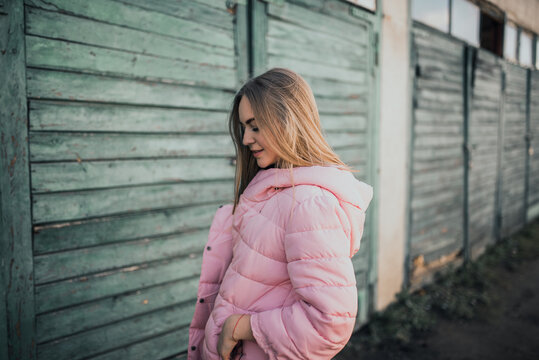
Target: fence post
x,y
17,314
528,145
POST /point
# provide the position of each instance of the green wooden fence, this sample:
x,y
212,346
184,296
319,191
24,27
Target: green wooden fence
x,y
473,173
115,155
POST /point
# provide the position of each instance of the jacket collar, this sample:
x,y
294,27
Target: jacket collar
x,y
339,182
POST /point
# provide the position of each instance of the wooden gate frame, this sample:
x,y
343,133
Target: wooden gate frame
x,y
17,314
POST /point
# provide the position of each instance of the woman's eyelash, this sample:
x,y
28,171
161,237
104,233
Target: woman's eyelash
x,y
255,129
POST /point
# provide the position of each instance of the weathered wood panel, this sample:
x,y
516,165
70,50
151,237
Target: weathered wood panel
x,y
483,128
437,175
128,331
513,210
98,117
333,51
130,157
71,146
141,19
74,319
533,175
113,229
17,308
58,54
56,85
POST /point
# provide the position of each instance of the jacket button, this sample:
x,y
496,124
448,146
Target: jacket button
x,y
201,300
193,348
208,248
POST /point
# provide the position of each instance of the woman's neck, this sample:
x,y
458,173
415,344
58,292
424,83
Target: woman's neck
x,y
269,167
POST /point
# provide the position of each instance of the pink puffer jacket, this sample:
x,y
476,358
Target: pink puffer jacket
x,y
284,258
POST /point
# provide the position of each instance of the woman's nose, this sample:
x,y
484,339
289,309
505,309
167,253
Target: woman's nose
x,y
247,138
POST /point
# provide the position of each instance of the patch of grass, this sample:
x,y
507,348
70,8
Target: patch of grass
x,y
457,294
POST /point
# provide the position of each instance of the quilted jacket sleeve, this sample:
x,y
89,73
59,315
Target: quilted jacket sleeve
x,y
320,322
215,261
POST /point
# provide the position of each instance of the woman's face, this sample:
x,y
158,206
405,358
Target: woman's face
x,y
253,138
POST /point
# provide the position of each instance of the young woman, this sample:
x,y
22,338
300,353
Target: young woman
x,y
277,281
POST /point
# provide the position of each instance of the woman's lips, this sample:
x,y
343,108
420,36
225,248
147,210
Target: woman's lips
x,y
257,153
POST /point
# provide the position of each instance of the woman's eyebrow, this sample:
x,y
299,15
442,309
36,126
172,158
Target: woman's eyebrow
x,y
247,122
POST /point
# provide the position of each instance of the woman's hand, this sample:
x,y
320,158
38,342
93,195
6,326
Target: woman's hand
x,y
226,342
236,327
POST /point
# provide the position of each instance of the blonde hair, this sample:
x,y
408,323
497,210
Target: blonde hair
x,y
287,117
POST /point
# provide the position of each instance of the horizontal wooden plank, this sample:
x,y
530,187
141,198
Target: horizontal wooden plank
x,y
58,85
429,141
62,146
438,129
76,116
59,295
125,15
116,335
49,177
345,106
436,81
438,203
346,139
442,246
79,262
318,22
442,70
446,214
158,347
287,39
435,176
338,10
309,53
349,123
439,96
356,156
68,206
215,15
62,55
436,242
432,116
317,70
446,56
85,233
327,88
86,31
57,324
448,201
424,36
435,165
441,106
440,153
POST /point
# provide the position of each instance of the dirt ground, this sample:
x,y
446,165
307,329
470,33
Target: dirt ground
x,y
507,329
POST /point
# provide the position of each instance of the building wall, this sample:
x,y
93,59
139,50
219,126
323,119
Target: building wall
x,y
394,149
523,12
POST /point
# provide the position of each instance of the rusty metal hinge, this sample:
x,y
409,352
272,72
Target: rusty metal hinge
x,y
231,3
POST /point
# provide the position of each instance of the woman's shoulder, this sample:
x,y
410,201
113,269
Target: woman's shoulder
x,y
306,192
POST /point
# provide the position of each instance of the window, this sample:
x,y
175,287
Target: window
x,y
537,53
367,4
510,42
491,33
525,49
465,21
434,13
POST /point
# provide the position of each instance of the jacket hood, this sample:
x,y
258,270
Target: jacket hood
x,y
354,196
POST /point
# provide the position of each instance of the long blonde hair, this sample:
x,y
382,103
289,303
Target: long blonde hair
x,y
287,117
